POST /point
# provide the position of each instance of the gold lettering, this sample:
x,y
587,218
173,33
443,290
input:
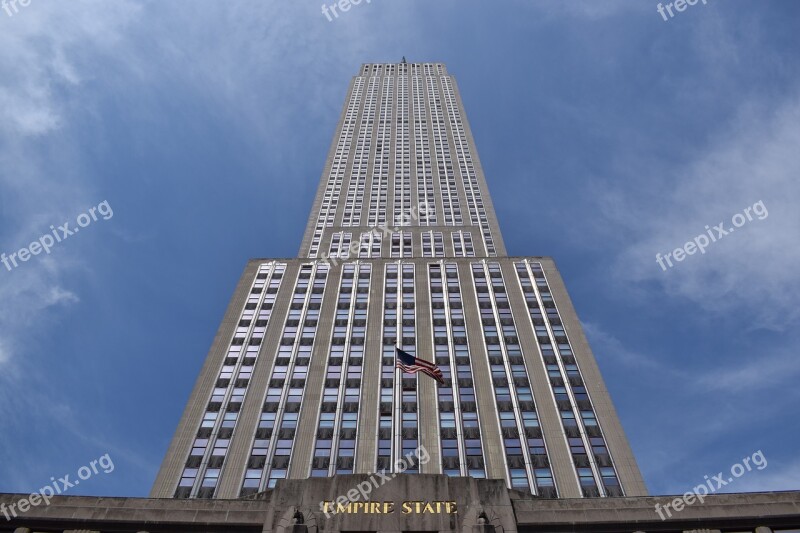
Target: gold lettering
x,y
422,507
342,508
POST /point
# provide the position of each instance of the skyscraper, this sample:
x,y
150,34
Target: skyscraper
x,y
402,249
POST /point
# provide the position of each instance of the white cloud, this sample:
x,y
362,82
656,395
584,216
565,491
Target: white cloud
x,y
754,158
43,51
661,191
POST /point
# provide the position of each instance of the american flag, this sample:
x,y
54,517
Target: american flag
x,y
408,363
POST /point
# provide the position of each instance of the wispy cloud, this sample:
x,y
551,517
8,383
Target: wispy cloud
x,y
711,401
38,62
607,346
47,54
758,373
754,159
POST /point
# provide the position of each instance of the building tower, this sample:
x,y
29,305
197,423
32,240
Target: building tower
x,y
402,249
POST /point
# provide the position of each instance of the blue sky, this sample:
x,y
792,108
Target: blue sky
x,y
607,135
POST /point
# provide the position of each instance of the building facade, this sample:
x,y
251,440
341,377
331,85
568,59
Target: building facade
x,y
402,249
